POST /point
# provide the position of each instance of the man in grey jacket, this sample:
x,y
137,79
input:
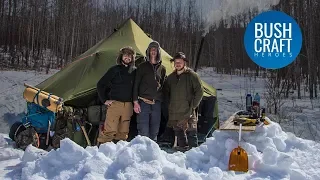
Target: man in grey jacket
x,y
147,92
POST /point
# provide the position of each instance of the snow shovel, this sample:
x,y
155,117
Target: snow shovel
x,y
238,157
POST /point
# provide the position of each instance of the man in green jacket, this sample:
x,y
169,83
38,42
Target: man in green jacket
x,y
183,91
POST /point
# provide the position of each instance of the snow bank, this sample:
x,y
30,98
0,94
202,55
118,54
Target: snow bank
x,y
273,154
6,150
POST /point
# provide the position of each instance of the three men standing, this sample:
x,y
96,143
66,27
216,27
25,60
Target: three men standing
x,y
147,92
146,87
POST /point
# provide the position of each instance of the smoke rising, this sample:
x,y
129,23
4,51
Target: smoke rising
x,y
225,9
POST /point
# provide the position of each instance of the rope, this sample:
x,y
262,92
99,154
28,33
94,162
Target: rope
x,y
49,100
82,58
34,114
37,96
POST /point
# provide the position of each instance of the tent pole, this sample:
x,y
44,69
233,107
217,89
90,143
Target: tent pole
x,y
199,52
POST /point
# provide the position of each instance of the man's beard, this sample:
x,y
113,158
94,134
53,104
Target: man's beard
x,y
125,62
180,68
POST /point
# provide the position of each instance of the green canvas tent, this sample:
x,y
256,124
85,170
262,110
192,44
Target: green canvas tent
x,y
76,83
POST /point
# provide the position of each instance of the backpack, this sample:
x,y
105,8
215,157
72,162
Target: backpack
x,y
39,117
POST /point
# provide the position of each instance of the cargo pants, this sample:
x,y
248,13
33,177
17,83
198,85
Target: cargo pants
x,y
117,123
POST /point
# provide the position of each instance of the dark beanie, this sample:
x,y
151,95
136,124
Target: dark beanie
x,y
179,55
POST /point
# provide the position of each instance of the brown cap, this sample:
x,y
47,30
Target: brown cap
x,y
127,50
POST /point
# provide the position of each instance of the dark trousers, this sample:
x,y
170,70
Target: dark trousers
x,y
148,120
184,138
186,132
188,138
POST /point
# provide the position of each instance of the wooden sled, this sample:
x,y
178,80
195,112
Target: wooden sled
x,y
228,125
231,123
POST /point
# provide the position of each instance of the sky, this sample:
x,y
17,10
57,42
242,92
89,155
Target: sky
x,y
212,11
215,10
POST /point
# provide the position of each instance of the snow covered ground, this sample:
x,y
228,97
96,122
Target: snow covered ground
x,y
274,153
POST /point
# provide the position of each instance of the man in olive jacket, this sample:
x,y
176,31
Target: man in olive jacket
x,y
183,91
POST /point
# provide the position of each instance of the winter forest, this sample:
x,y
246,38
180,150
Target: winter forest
x,y
40,38
43,34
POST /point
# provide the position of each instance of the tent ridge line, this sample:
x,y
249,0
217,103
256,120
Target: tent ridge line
x,y
83,72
